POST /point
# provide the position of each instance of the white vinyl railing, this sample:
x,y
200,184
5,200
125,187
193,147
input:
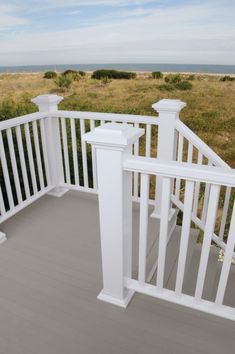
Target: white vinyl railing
x,y
192,149
117,164
24,172
191,174
80,171
43,152
50,152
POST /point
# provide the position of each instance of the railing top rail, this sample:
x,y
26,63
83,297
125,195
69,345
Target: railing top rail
x,y
182,170
11,123
114,117
200,145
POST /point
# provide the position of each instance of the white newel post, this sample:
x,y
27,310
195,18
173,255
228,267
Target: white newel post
x,y
112,143
168,114
49,103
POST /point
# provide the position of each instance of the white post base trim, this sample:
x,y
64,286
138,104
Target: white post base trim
x,y
156,215
114,301
58,192
3,237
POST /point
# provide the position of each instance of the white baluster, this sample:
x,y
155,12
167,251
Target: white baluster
x,y
188,203
65,150
190,153
14,166
179,159
227,261
22,161
148,140
143,228
136,174
84,154
45,151
93,153
225,213
164,229
38,155
30,157
209,230
197,186
6,173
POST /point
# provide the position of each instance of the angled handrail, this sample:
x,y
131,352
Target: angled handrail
x,y
200,145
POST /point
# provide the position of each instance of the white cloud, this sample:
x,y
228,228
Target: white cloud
x,y
188,33
8,19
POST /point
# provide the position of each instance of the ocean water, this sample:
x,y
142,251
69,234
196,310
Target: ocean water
x,y
196,68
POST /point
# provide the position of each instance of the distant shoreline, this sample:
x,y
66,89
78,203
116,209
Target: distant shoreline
x,y
138,68
137,72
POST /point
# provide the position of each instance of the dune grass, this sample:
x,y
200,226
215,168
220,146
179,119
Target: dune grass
x,y
210,110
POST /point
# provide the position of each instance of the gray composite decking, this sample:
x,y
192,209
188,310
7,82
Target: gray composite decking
x,y
50,275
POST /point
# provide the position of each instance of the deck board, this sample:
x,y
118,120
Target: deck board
x,y
50,275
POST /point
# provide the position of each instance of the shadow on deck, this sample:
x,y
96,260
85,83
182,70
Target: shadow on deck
x,y
50,276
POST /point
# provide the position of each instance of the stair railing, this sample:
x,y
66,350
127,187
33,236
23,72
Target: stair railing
x,y
115,163
190,148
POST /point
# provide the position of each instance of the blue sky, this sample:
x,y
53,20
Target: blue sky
x,y
117,31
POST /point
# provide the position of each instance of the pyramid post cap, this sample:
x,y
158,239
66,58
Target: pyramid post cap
x,y
113,135
167,105
47,99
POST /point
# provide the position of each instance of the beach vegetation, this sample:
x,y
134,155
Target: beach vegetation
x,y
227,78
173,78
209,112
166,87
72,74
50,75
175,82
106,80
157,75
82,73
113,74
64,82
11,107
183,85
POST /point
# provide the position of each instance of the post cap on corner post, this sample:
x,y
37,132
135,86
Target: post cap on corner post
x,y
47,102
113,135
169,106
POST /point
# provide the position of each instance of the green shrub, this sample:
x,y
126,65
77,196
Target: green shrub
x,y
10,108
69,72
166,87
227,78
183,85
82,73
50,75
105,80
73,74
157,75
112,74
173,78
64,81
174,82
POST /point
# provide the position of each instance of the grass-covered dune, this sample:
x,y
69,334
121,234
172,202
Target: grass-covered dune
x,y
210,110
